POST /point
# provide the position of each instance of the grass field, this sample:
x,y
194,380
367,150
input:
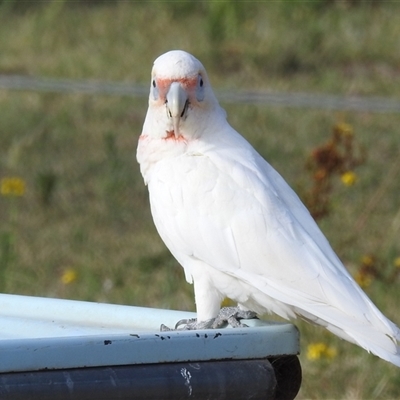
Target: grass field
x,y
74,215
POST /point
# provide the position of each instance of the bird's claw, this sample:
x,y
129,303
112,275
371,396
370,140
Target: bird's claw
x,y
188,325
232,316
227,315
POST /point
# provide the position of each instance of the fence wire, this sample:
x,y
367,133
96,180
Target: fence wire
x,y
283,99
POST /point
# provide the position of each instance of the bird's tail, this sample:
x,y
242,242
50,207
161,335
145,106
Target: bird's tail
x,y
380,338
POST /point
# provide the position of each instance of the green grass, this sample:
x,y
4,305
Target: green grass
x,y
85,206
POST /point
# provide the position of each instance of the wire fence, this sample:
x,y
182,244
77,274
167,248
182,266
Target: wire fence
x,y
283,99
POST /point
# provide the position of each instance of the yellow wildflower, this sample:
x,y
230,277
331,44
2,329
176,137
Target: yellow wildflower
x,y
367,260
344,129
319,350
348,178
396,262
363,279
315,350
331,352
69,276
12,186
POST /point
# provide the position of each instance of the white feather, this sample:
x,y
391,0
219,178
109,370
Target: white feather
x,y
239,230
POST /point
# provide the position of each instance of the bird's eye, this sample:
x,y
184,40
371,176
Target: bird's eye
x,y
200,88
154,89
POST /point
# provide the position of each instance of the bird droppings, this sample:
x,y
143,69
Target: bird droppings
x,y
187,376
163,337
217,335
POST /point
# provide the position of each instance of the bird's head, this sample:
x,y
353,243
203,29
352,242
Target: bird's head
x,y
180,96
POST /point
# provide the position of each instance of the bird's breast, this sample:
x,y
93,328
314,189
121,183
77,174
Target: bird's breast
x,y
151,151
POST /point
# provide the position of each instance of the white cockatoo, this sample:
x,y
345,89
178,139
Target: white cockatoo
x,y
235,225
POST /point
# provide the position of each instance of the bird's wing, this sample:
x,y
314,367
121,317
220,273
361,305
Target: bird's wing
x,y
227,207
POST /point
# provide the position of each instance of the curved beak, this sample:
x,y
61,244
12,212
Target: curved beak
x,y
177,103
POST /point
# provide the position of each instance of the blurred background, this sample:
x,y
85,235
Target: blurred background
x,y
314,86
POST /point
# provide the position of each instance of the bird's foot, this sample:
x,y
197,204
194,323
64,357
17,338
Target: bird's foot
x,y
189,325
227,315
232,316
